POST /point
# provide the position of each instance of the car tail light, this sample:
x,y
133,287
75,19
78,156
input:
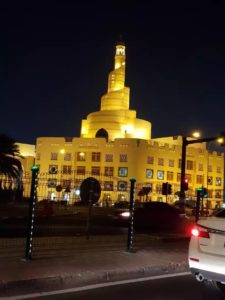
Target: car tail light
x,y
200,232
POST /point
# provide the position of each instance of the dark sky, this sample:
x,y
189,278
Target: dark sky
x,y
55,58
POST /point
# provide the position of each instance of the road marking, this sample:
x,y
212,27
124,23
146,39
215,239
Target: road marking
x,y
94,286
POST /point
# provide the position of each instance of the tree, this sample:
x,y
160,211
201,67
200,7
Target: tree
x,y
10,164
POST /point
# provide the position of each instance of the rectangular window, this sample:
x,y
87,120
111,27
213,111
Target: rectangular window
x,y
80,170
179,163
66,169
123,157
218,169
149,173
171,163
178,177
199,179
218,194
150,160
169,176
200,167
218,181
68,156
108,185
38,157
109,171
210,168
158,188
95,171
81,156
109,158
54,156
210,193
122,186
53,169
190,164
160,161
122,172
66,183
160,175
96,156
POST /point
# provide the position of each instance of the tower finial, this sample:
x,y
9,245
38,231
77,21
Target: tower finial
x,y
120,41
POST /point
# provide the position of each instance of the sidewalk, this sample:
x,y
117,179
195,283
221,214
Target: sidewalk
x,y
98,260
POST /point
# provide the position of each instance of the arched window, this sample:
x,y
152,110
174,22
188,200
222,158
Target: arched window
x,y
102,133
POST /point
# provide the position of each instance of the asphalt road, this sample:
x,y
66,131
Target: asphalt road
x,y
64,225
171,288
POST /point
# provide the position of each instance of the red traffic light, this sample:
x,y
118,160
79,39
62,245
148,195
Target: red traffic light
x,y
185,184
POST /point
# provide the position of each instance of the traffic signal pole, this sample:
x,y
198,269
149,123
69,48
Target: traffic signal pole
x,y
185,143
183,168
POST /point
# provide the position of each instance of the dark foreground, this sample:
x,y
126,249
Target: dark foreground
x,y
173,288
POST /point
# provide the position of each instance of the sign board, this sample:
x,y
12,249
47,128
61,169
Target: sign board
x,y
90,190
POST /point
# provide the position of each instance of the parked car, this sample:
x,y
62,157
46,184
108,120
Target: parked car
x,y
207,251
121,204
156,216
160,216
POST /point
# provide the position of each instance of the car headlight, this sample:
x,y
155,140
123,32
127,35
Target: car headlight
x,y
125,214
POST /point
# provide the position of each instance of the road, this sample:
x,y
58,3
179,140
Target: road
x,y
64,225
183,287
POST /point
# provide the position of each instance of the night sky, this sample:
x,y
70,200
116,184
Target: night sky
x,y
55,58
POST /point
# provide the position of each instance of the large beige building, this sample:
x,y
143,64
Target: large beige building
x,y
115,145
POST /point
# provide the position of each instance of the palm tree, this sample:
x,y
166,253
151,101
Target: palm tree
x,y
10,164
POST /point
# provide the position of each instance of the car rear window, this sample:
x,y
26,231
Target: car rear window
x,y
220,213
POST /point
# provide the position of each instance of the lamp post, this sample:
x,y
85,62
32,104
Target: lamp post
x,y
185,143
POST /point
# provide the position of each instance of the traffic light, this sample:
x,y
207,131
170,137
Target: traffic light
x,y
169,190
165,188
185,184
204,193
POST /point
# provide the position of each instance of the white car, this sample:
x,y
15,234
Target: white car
x,y
207,251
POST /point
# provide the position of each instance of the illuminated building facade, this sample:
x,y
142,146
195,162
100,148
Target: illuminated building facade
x,y
114,145
27,152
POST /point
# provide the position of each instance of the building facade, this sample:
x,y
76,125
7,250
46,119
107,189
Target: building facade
x,y
23,183
114,146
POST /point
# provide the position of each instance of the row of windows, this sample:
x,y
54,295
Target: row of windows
x,y
123,172
122,186
170,177
96,157
108,185
81,170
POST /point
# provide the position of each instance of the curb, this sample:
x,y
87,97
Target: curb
x,y
73,280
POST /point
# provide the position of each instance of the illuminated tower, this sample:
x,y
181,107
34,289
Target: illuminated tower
x,y
115,119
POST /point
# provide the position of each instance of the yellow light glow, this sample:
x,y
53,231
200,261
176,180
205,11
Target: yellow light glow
x,y
220,140
62,151
196,134
81,154
140,133
120,50
127,129
117,65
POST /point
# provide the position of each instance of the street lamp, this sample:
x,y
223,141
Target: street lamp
x,y
196,134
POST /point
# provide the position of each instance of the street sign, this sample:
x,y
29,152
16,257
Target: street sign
x,y
90,190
